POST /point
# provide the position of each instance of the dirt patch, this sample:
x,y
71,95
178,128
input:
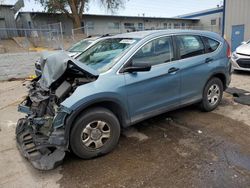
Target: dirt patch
x,y
184,157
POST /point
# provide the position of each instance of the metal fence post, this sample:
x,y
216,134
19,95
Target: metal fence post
x,y
61,35
87,33
73,34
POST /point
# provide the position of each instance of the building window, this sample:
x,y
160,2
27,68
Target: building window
x,y
169,26
90,25
114,25
165,25
183,25
140,26
129,26
213,22
219,22
176,26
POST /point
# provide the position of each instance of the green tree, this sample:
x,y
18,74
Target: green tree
x,y
74,9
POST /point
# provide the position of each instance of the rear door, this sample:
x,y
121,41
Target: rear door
x,y
150,93
194,66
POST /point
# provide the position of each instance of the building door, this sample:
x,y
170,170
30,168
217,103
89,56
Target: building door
x,y
237,36
3,31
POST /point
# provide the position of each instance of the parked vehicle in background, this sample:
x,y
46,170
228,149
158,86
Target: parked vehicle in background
x,y
82,104
77,48
241,57
73,51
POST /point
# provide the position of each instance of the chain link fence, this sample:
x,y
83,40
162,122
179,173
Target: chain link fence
x,y
46,36
51,36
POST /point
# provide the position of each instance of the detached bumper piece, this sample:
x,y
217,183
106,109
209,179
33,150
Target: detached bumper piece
x,y
36,147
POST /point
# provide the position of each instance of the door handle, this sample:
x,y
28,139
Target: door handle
x,y
208,60
173,70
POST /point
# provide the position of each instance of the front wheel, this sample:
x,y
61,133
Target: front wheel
x,y
95,133
212,95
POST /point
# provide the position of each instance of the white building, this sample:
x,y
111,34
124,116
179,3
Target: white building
x,y
210,19
103,24
237,22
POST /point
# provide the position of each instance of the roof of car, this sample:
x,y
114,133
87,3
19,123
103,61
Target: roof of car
x,y
143,34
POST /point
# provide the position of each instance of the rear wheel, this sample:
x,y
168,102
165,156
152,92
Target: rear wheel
x,y
212,94
95,133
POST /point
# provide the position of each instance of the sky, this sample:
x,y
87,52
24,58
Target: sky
x,y
152,8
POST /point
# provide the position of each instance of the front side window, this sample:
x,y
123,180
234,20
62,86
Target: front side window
x,y
155,52
105,53
189,46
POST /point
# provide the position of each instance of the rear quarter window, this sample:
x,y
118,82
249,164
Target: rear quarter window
x,y
211,44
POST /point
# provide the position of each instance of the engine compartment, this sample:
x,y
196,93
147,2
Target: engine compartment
x,y
41,134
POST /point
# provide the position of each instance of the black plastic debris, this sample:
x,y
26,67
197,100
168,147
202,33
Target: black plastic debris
x,y
240,95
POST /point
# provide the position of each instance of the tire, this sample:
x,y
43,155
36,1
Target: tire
x,y
212,95
95,133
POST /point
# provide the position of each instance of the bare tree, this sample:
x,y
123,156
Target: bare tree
x,y
74,9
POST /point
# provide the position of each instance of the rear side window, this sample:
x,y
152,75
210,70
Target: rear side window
x,y
190,45
212,45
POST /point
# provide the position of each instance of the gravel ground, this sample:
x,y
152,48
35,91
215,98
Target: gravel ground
x,y
17,65
178,149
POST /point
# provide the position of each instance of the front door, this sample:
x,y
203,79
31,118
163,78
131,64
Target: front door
x,y
152,92
237,36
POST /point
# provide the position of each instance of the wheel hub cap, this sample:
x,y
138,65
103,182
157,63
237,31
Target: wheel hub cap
x,y
96,134
213,94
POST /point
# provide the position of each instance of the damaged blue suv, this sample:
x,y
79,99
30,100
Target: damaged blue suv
x,y
81,104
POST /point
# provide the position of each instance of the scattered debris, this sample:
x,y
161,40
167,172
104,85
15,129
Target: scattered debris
x,y
31,77
169,119
165,135
240,95
199,131
133,133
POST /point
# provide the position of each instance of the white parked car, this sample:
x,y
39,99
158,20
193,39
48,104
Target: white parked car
x,y
74,51
241,57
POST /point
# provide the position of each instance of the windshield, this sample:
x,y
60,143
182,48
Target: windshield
x,y
103,55
80,46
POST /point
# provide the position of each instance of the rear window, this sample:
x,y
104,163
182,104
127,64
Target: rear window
x,y
212,45
190,45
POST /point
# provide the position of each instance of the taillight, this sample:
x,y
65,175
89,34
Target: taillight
x,y
228,50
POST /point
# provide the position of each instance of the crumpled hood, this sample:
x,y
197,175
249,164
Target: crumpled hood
x,y
53,65
243,49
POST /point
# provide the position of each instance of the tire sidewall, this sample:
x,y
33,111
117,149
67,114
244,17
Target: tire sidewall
x,y
89,116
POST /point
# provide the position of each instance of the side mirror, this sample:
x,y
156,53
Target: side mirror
x,y
137,67
244,42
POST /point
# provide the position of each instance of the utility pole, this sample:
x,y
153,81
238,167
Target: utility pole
x,y
224,18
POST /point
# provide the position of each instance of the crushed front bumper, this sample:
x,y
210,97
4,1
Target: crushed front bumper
x,y
44,151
